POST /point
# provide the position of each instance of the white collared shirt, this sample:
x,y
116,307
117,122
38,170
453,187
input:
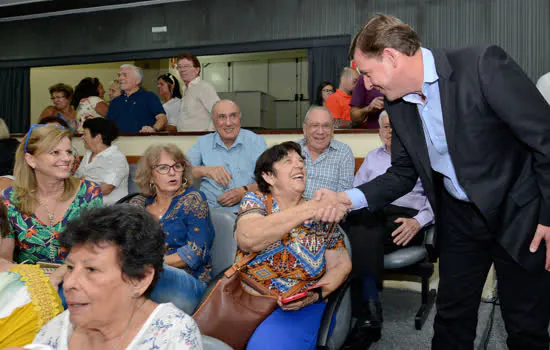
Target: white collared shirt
x,y
109,166
196,108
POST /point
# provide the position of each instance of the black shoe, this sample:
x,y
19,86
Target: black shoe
x,y
374,312
367,329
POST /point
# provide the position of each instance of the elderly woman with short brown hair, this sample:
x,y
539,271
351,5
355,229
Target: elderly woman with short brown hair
x,y
299,260
164,177
114,261
61,95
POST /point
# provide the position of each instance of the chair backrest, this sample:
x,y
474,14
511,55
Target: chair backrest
x,y
132,187
224,246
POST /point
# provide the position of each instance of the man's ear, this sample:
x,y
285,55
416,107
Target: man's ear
x,y
392,56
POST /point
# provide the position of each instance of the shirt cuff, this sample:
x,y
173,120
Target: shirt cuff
x,y
424,218
357,198
190,257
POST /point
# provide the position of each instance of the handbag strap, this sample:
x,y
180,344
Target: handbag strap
x,y
249,257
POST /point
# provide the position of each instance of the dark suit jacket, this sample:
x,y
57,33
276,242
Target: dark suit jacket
x,y
497,126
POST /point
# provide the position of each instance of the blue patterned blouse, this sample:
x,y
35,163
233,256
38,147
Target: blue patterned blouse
x,y
189,231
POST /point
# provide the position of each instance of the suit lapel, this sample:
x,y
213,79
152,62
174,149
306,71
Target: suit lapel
x,y
447,94
412,130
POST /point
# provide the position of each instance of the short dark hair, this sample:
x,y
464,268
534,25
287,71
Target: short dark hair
x,y
171,80
189,56
264,164
138,236
384,31
60,87
52,119
104,127
86,88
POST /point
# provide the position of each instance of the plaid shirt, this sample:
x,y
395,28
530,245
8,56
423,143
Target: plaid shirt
x,y
333,169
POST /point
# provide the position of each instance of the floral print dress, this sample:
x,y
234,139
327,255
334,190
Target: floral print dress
x,y
34,240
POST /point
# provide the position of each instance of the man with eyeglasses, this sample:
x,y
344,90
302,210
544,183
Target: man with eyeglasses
x,y
199,96
329,163
224,161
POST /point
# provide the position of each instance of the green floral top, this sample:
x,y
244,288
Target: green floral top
x,y
35,241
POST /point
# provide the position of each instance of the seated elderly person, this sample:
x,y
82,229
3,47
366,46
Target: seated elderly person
x,y
103,163
28,299
294,253
164,177
224,160
115,258
374,234
136,110
44,196
329,163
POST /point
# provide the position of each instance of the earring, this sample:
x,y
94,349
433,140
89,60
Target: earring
x,y
136,294
184,183
152,187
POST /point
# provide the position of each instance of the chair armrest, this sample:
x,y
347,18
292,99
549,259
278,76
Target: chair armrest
x,y
333,303
127,198
430,243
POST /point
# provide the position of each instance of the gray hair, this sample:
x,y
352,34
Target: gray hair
x,y
4,131
382,114
315,107
137,71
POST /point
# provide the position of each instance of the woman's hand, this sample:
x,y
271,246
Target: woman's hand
x,y
310,298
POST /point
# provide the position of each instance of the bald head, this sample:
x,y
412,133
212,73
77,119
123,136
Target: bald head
x,y
222,105
226,116
348,79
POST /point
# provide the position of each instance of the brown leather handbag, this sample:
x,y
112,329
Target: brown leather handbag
x,y
230,313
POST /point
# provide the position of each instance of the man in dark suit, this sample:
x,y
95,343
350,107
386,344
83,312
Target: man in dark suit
x,y
475,129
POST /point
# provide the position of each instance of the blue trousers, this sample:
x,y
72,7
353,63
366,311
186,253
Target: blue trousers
x,y
178,287
289,330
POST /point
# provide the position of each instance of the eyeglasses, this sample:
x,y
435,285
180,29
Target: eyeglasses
x,y
184,67
165,168
38,126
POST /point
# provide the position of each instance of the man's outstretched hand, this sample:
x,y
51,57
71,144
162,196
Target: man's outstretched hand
x,y
334,205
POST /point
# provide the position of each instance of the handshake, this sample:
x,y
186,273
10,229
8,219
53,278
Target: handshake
x,y
330,206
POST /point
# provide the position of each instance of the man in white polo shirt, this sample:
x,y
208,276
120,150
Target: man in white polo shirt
x,y
199,96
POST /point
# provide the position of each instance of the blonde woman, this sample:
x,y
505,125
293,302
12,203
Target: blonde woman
x,y
44,196
114,89
8,146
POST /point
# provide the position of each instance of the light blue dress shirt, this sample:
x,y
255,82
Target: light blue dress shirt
x,y
239,160
431,116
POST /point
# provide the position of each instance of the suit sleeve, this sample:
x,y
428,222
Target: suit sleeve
x,y
516,100
397,181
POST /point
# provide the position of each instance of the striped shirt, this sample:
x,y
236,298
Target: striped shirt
x,y
333,169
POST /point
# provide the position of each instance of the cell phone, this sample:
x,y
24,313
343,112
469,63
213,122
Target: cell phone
x,y
301,295
294,297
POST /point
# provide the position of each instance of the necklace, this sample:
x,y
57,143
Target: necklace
x,y
52,247
160,209
117,347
